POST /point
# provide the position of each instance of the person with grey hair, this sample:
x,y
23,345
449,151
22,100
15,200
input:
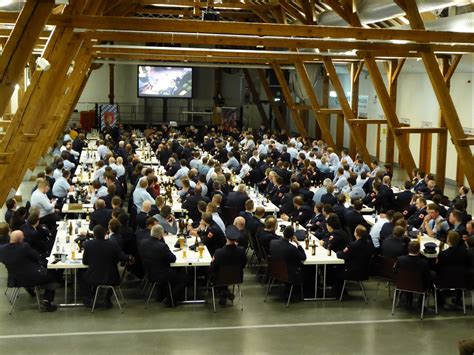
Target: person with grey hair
x,y
157,259
321,191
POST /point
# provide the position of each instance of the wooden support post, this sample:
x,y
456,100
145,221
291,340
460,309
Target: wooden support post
x,y
289,100
348,114
425,151
271,99
324,103
256,98
340,131
356,69
111,83
321,119
19,46
390,114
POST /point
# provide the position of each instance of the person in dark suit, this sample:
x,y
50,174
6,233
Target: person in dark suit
x,y
337,238
236,199
302,213
230,254
191,203
11,207
142,234
101,215
209,233
102,256
289,249
329,198
413,262
353,217
403,198
111,193
418,217
25,269
462,196
317,218
395,245
4,233
266,235
78,143
278,191
36,236
455,219
287,207
357,256
172,167
114,232
144,214
387,228
253,222
156,257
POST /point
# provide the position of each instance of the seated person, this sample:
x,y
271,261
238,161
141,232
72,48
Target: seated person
x,y
230,254
166,219
102,256
24,268
265,236
337,239
209,233
101,216
396,245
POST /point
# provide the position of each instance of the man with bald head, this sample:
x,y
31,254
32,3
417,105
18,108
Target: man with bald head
x,y
238,227
24,268
144,214
101,215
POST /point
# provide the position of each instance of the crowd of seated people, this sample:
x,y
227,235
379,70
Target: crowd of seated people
x,y
307,180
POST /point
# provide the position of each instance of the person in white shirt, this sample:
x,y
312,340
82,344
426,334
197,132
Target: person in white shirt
x,y
40,200
263,147
346,156
119,168
61,186
58,172
292,151
377,227
333,158
212,208
245,168
99,171
375,168
340,180
250,144
102,149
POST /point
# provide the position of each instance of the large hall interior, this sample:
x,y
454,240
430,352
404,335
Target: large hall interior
x,y
238,176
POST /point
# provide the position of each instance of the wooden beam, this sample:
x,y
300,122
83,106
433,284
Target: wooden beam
x,y
259,29
464,141
289,99
394,70
355,70
452,68
320,115
390,113
419,130
365,121
271,99
442,142
348,114
19,46
395,73
256,98
330,111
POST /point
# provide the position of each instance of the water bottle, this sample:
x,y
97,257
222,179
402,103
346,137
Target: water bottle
x,y
374,216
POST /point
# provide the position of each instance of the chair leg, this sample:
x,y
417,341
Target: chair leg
x,y
423,306
289,296
363,291
116,298
95,298
241,299
233,292
121,294
302,294
394,300
171,295
342,291
270,284
36,289
436,299
472,299
377,291
463,302
150,294
207,289
15,294
213,299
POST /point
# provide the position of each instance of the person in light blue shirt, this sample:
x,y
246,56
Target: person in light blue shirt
x,y
182,172
359,166
196,162
98,191
61,186
324,166
340,180
102,150
141,194
166,219
232,163
321,191
356,191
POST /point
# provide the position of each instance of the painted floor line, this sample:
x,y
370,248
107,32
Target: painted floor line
x,y
237,327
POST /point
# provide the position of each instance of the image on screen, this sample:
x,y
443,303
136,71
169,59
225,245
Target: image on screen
x,y
165,81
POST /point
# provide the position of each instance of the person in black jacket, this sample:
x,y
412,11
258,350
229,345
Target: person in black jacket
x,y
229,255
101,216
25,269
236,199
289,249
37,236
209,233
403,198
353,217
395,245
329,198
418,217
287,206
337,238
11,208
302,213
357,256
102,256
265,236
157,257
191,203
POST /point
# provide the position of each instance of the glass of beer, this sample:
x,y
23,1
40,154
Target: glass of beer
x,y
184,253
181,242
201,249
73,254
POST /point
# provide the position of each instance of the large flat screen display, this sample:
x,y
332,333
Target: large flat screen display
x,y
154,81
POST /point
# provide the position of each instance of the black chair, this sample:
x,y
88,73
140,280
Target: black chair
x,y
384,271
411,282
228,275
453,279
277,270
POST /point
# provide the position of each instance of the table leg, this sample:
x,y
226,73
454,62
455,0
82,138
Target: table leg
x,y
75,286
65,285
324,282
195,282
316,281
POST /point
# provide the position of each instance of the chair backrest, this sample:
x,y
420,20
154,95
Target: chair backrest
x,y
452,277
277,269
384,267
229,275
409,281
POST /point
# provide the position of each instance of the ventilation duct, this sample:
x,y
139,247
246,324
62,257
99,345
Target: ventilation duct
x,y
370,11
